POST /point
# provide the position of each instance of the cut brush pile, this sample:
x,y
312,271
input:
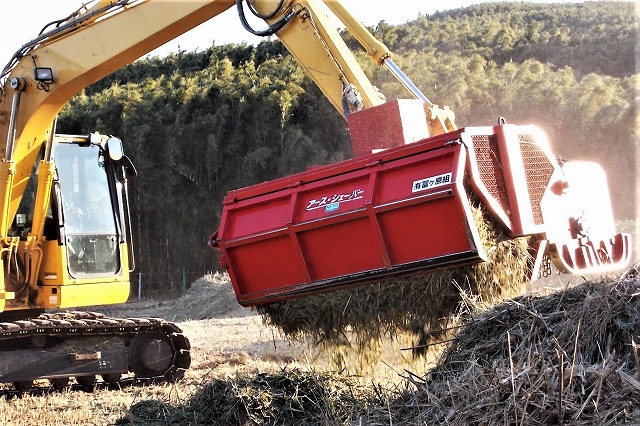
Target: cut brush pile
x,y
567,358
288,398
416,305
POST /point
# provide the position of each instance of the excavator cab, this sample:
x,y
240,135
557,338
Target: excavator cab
x,y
86,203
87,239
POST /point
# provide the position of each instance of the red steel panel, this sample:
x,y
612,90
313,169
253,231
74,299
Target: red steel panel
x,y
391,124
402,210
272,212
341,249
255,263
425,230
347,194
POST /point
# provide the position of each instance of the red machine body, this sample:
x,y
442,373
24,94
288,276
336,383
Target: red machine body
x,y
407,208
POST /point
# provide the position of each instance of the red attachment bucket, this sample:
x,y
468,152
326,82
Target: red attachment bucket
x,y
391,212
406,209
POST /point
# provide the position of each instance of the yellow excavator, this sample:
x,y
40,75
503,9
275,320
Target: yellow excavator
x,y
64,215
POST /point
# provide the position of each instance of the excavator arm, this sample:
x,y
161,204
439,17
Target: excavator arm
x,y
65,59
313,40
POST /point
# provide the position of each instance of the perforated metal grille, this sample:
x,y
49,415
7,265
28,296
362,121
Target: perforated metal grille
x,y
538,170
488,160
546,267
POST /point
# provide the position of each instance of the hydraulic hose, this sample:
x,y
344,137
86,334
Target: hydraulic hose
x,y
272,29
268,15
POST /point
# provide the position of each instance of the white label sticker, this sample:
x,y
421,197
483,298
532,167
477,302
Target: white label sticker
x,y
332,202
431,182
53,300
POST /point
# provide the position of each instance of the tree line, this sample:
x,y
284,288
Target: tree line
x,y
198,124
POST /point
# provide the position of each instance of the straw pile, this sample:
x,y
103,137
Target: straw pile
x,y
419,306
289,398
209,297
568,358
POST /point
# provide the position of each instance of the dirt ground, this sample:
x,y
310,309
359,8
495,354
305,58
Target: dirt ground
x,y
227,341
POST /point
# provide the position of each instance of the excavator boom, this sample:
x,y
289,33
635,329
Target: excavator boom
x,y
78,52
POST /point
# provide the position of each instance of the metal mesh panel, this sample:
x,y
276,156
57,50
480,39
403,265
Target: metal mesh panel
x,y
488,160
538,170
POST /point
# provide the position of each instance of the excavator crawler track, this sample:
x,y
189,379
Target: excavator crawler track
x,y
83,345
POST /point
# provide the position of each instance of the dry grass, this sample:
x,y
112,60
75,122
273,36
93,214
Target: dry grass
x,y
418,310
570,358
567,358
230,342
209,297
290,397
103,407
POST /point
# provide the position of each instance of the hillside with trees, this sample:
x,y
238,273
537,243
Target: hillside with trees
x,y
198,124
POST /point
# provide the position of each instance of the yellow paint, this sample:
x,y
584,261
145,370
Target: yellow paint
x,y
73,296
93,294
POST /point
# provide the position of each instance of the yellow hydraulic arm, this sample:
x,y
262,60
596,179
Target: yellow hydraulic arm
x,y
79,51
313,40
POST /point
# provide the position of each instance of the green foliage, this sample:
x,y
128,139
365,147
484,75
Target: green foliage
x,y
196,135
198,124
591,37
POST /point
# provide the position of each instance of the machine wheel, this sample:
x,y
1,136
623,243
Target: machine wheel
x,y
86,382
60,383
23,386
150,355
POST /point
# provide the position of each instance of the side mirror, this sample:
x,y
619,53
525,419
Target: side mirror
x,y
114,148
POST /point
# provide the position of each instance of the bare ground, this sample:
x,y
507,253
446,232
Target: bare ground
x,y
228,341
